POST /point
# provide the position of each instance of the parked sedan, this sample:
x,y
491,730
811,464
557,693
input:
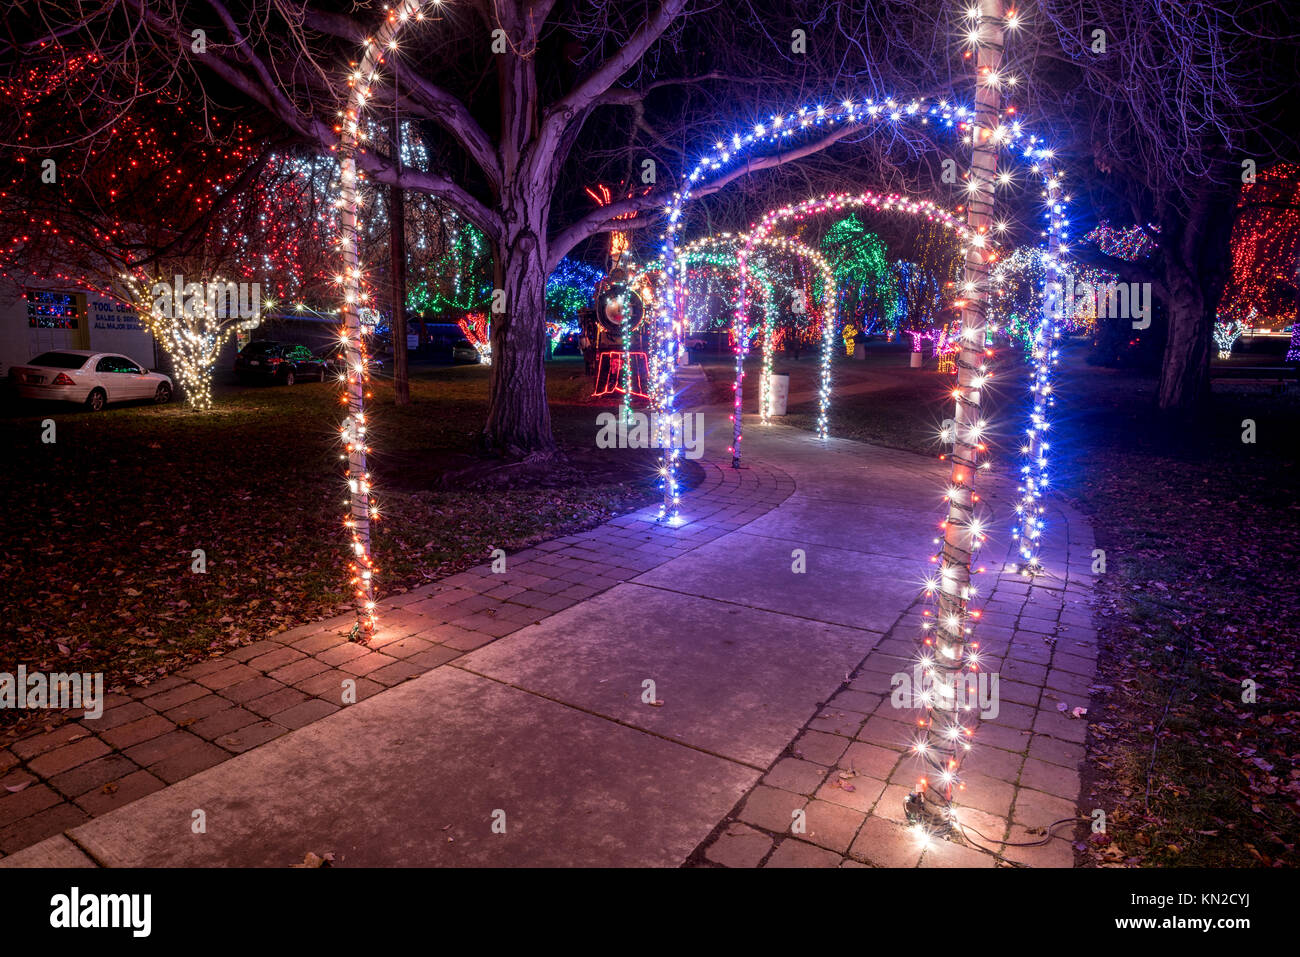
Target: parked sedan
x,y
91,378
281,362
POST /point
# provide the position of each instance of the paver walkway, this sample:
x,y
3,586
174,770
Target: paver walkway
x,y
634,695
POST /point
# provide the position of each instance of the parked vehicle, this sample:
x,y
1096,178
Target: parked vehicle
x,y
91,378
283,363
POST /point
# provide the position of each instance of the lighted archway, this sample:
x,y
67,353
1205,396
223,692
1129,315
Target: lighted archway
x,y
1006,135
834,203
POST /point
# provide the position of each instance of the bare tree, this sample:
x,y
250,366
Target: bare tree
x,y
1175,104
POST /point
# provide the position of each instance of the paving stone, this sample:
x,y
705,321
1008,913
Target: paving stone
x,y
340,653
886,844
297,671
739,846
301,715
69,756
771,808
434,657
794,774
1035,809
838,721
115,794
319,642
255,650
278,658
198,756
891,805
327,685
250,736
793,853
136,732
27,748
1056,724
202,668
408,646
114,718
863,796
832,826
192,711
232,674
944,853
32,830
870,759
819,747
155,687
1056,852
93,774
30,800
1055,751
395,673
222,722
251,690
1051,779
888,733
365,664
175,697
467,640
276,702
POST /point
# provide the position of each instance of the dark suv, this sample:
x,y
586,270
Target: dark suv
x,y
282,362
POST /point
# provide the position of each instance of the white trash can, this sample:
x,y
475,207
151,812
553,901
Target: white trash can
x,y
780,394
916,360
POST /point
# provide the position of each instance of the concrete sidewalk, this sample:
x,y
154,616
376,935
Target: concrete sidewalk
x,y
703,698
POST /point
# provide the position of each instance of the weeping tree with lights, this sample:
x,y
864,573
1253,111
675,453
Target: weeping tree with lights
x,y
197,274
868,288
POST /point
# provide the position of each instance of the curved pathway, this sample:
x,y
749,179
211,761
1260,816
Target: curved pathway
x,y
716,694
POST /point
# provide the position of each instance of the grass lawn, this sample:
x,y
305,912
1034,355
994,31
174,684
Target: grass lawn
x,y
1199,530
98,543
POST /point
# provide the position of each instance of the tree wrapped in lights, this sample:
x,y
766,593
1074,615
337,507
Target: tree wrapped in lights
x,y
192,325
1226,335
570,288
868,289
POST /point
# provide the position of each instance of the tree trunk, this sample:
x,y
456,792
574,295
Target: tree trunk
x,y
519,419
1195,260
397,233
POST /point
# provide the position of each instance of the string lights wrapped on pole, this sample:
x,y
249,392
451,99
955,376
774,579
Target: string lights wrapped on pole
x,y
1043,354
362,508
947,726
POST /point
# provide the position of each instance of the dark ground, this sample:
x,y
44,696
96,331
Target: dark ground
x,y
97,558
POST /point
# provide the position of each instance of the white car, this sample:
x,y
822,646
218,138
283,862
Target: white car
x,y
93,379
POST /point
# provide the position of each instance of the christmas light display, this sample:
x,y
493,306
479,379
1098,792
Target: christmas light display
x,y
947,653
569,288
192,332
1044,352
478,330
1226,335
833,203
867,287
1004,132
1129,243
1263,284
362,507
